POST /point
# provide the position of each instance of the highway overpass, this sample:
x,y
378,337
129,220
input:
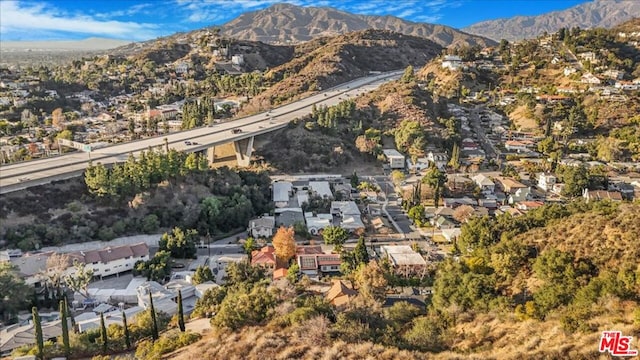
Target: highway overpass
x,y
23,175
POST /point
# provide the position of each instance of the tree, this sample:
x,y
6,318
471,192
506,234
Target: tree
x,y
103,334
249,246
416,214
180,244
56,266
408,133
372,285
127,335
436,180
180,312
354,180
79,281
397,177
243,273
202,274
408,75
360,253
57,118
293,272
462,213
13,291
65,328
154,320
157,268
38,330
284,243
576,179
335,235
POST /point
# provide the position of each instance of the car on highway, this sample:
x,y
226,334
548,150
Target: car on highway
x,y
23,179
236,131
188,143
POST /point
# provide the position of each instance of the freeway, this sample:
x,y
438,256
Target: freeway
x,y
23,175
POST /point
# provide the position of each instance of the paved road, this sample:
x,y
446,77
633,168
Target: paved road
x,y
32,173
486,144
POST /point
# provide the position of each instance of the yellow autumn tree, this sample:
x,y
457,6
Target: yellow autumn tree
x,y
57,118
284,243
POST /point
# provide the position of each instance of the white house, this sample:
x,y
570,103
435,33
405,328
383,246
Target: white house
x,y
114,260
321,189
589,78
317,223
262,227
438,158
486,185
452,62
546,181
394,158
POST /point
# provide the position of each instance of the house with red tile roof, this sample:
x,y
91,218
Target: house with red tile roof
x,y
265,257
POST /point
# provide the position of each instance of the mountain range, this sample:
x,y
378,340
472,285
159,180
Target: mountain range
x,y
598,13
286,23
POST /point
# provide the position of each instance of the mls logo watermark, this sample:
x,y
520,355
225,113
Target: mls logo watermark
x,y
616,344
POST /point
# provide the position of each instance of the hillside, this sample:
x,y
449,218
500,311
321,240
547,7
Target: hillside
x,y
574,288
326,62
354,137
598,13
286,23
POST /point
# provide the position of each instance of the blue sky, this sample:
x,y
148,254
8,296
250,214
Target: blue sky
x,y
29,20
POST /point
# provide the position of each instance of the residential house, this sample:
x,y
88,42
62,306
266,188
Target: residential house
x,y
262,227
509,185
282,190
451,234
369,195
265,257
420,164
288,216
313,261
486,185
569,70
114,260
220,262
317,222
519,195
438,158
546,181
528,205
403,259
589,78
442,222
340,293
518,145
626,190
394,158
614,74
15,336
452,62
597,195
321,189
349,215
374,209
490,204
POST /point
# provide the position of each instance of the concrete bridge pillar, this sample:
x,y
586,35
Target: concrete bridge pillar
x,y
236,153
244,149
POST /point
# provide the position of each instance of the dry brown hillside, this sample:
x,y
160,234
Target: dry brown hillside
x,y
326,62
608,240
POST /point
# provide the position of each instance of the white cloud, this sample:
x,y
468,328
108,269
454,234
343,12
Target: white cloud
x,y
17,18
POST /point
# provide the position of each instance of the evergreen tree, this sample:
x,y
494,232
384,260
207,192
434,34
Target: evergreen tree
x,y
103,334
65,328
154,330
127,336
360,252
180,312
38,329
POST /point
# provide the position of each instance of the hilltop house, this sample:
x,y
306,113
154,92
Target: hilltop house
x,y
452,62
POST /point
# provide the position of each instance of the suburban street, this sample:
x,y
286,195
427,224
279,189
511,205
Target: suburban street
x,y
32,173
